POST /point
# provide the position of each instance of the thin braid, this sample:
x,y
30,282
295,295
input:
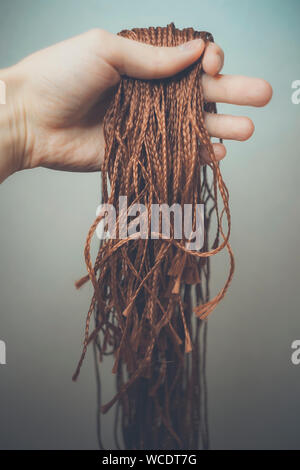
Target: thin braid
x,y
145,290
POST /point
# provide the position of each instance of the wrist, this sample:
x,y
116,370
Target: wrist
x,y
13,145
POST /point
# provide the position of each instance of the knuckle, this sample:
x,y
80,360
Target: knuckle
x,y
96,34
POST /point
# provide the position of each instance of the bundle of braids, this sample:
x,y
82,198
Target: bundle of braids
x,y
171,413
149,293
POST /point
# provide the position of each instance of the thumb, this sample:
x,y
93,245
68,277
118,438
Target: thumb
x,y
140,60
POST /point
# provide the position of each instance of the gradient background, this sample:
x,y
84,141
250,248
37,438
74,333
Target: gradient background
x,y
44,216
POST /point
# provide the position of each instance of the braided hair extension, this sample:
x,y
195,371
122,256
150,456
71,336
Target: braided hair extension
x,y
146,289
170,411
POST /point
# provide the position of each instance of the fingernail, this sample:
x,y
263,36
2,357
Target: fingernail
x,y
190,45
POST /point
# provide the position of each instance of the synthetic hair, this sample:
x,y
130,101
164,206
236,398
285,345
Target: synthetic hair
x,y
164,411
145,289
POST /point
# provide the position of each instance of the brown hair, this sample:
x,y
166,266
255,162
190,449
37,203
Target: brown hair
x,y
146,289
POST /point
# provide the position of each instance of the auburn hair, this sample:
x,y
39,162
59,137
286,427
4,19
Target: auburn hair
x,y
146,290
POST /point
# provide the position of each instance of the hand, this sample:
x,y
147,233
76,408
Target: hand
x,y
57,97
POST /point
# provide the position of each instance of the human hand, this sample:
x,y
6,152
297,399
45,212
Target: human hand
x,y
57,97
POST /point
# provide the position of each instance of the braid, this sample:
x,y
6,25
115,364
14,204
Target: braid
x,y
146,290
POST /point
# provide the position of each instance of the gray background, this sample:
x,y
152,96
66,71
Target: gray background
x,y
44,216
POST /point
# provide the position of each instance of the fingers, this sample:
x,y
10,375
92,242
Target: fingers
x,y
219,151
213,59
236,89
141,60
225,126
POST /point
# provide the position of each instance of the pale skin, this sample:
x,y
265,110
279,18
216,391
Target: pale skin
x,y
56,98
